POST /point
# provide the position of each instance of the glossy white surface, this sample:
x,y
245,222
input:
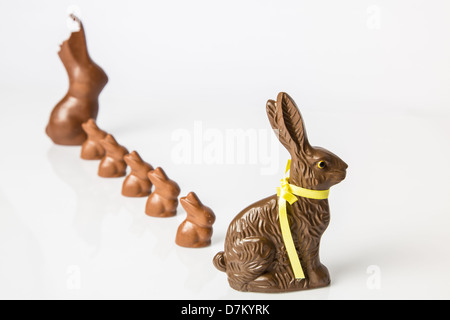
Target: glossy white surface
x,y
380,103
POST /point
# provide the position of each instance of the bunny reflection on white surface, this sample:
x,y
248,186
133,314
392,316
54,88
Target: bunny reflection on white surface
x,y
256,256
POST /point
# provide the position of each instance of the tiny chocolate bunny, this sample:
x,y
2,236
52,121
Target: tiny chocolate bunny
x,y
137,184
196,231
163,202
255,256
92,149
86,82
112,164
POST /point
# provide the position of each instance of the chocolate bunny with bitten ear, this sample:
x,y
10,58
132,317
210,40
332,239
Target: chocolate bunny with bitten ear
x,y
86,82
255,257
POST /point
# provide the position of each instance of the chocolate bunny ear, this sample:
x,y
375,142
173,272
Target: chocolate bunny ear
x,y
76,43
286,119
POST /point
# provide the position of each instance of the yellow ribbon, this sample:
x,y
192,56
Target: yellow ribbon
x,y
287,193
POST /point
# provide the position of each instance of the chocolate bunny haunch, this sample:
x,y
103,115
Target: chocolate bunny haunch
x,y
86,81
255,256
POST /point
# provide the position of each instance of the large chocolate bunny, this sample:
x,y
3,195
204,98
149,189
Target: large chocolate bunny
x,y
86,81
255,257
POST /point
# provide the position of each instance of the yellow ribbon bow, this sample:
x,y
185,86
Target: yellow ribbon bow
x,y
287,193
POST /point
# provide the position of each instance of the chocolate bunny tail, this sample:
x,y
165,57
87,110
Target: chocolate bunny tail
x,y
219,261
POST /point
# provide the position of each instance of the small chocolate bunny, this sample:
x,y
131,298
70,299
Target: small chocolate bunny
x,y
137,184
92,149
112,164
196,231
163,202
255,256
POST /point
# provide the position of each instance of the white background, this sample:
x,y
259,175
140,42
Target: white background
x,y
371,78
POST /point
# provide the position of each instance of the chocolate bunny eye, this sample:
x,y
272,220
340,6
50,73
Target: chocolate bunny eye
x,y
321,164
